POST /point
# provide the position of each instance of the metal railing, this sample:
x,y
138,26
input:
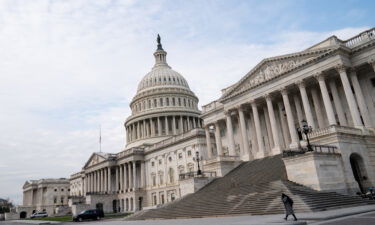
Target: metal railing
x,y
327,149
188,175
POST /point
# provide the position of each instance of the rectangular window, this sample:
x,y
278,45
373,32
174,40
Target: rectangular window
x,y
373,82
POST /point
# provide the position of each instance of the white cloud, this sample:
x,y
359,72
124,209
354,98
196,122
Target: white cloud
x,y
67,67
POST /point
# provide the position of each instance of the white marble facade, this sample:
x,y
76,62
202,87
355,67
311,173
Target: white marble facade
x,y
331,85
163,134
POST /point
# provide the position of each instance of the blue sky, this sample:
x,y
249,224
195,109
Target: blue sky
x,y
68,66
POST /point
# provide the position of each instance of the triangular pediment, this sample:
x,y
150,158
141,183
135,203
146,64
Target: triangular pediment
x,y
95,158
272,68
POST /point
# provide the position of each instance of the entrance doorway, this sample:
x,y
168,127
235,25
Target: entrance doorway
x,y
99,206
23,215
359,171
114,206
140,203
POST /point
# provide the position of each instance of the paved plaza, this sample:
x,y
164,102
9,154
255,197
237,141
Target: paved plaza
x,y
363,215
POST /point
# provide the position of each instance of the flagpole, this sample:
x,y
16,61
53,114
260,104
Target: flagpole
x,y
100,138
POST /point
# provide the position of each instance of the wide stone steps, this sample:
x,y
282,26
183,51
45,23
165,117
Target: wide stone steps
x,y
252,188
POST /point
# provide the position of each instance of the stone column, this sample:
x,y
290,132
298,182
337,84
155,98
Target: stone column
x,y
341,69
289,116
360,99
284,125
258,131
306,104
245,143
372,63
152,127
145,134
231,147
121,178
102,179
130,176
219,146
109,180
297,104
159,127
88,188
134,132
268,127
139,136
275,132
116,184
318,107
134,175
181,125
105,179
174,125
125,178
326,99
142,183
337,103
188,122
208,142
166,126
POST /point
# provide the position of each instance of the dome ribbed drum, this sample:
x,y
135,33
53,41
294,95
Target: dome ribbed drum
x,y
163,106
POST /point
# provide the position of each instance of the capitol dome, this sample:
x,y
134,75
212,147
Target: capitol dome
x,y
163,106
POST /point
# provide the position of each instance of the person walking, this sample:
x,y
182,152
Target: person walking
x,y
288,204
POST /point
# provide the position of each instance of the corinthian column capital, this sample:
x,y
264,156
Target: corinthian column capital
x,y
283,91
371,61
267,96
300,83
340,68
319,76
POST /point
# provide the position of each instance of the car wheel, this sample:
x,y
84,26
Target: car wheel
x,y
80,219
97,217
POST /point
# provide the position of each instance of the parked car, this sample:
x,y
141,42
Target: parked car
x,y
39,215
89,214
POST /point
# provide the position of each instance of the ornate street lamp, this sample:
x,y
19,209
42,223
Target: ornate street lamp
x,y
198,158
306,129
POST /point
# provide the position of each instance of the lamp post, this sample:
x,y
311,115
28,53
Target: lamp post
x,y
306,129
198,159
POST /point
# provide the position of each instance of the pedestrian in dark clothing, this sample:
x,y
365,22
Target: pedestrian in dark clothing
x,y
288,204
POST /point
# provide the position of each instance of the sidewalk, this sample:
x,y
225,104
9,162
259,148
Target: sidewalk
x,y
304,218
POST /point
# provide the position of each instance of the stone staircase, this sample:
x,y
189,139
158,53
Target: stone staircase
x,y
253,188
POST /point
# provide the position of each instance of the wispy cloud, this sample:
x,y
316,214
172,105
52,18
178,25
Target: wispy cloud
x,y
67,67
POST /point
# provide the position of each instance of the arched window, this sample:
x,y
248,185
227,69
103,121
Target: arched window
x,y
155,103
149,104
179,101
190,167
185,102
181,169
161,177
173,101
171,175
167,102
161,101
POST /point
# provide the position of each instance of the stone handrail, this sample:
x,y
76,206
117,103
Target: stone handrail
x,y
360,38
176,138
184,176
130,151
335,129
211,106
327,149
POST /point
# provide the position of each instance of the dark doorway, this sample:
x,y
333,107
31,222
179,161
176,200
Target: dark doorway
x,y
140,203
23,215
356,162
114,204
99,206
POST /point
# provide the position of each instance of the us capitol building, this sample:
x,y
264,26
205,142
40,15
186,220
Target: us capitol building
x,y
328,89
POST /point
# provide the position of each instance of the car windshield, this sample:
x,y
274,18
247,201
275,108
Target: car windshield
x,y
84,211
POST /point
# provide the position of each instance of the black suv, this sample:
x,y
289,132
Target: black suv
x,y
89,214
